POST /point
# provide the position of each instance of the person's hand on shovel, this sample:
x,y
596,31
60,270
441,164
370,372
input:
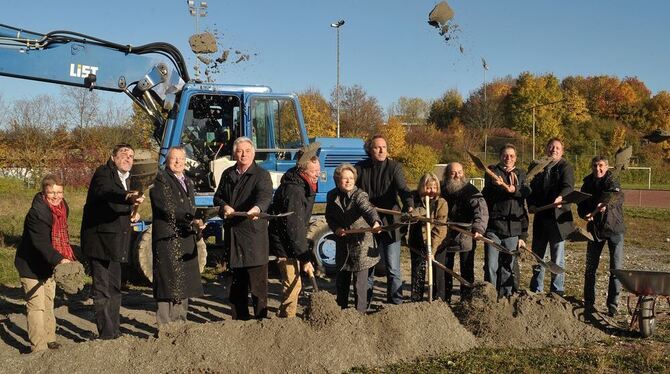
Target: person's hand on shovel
x,y
376,228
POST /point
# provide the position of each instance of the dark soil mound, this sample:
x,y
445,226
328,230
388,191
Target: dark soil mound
x,y
525,320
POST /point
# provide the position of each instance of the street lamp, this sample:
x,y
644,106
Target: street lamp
x,y
197,10
337,26
486,68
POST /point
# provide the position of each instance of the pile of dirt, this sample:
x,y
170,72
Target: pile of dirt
x,y
441,17
203,43
330,340
526,320
69,277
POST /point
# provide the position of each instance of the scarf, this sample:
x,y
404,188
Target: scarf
x,y
312,185
60,239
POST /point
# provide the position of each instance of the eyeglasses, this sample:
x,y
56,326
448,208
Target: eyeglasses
x,y
54,193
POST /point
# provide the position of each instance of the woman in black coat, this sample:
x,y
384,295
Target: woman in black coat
x,y
44,244
174,235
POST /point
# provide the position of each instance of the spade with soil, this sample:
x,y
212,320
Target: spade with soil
x,y
574,197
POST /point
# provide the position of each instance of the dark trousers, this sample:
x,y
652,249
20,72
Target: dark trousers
x,y
107,297
171,311
343,284
444,282
418,285
254,279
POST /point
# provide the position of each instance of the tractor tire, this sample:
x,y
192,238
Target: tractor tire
x,y
143,255
322,244
646,318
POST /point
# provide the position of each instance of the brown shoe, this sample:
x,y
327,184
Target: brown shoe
x,y
54,345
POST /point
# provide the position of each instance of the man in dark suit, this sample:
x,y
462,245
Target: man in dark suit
x,y
176,274
384,181
105,235
552,226
246,187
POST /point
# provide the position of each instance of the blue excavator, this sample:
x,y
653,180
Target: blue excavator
x,y
204,117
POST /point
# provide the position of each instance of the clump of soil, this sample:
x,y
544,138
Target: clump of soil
x,y
526,320
203,43
348,339
441,17
69,277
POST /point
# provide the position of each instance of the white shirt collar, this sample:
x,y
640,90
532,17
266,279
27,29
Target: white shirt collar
x,y
124,177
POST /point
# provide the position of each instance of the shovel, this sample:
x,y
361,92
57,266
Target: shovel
x,y
454,274
485,240
549,265
312,278
573,197
259,215
480,165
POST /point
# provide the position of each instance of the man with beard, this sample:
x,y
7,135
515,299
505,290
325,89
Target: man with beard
x,y
551,226
466,205
604,213
383,180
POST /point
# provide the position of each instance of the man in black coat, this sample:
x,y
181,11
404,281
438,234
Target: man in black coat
x,y
604,213
384,182
508,219
105,235
466,205
552,226
247,188
288,236
176,274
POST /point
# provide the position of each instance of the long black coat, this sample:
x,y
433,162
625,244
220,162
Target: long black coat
x,y
36,257
288,236
105,226
507,211
247,239
175,257
558,180
354,252
609,223
384,182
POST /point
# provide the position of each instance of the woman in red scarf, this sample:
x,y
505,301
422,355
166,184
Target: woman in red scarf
x,y
45,243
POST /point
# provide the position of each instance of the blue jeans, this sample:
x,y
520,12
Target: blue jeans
x,y
551,239
390,253
498,267
593,251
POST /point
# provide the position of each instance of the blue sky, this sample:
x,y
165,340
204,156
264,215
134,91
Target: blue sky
x,y
386,46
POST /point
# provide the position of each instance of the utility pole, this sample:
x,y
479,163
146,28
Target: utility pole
x,y
337,26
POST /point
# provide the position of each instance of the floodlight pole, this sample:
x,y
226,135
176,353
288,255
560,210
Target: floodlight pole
x,y
337,26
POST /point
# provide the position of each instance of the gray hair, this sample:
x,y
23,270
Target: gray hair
x,y
243,139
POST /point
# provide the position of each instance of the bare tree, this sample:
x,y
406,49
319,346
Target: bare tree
x,y
359,113
80,106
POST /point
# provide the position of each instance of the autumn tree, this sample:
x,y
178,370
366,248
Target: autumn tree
x,y
360,114
542,93
410,110
394,132
486,111
444,110
317,114
658,111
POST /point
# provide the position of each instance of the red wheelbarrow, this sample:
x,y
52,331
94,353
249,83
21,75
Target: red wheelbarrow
x,y
647,286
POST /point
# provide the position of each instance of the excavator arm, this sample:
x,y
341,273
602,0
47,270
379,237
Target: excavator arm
x,y
152,75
